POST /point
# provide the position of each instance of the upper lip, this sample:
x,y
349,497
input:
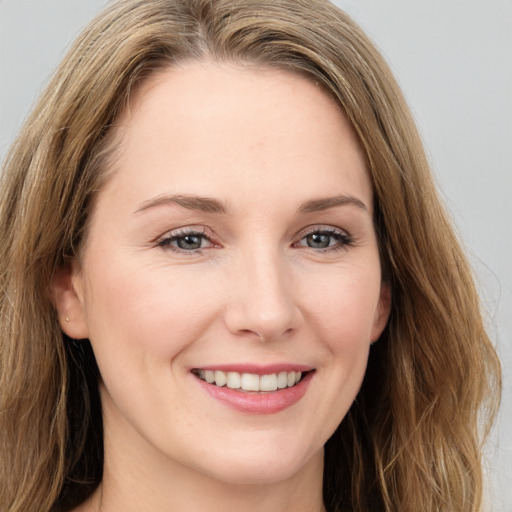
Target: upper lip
x,y
257,369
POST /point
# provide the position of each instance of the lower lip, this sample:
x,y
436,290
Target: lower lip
x,y
263,402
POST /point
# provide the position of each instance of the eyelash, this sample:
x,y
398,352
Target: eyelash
x,y
181,234
342,238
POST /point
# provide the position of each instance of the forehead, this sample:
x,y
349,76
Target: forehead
x,y
208,128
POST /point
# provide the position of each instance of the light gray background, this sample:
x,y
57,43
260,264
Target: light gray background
x,y
454,61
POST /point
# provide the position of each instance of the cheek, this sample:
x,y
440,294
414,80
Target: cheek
x,y
341,318
146,316
344,310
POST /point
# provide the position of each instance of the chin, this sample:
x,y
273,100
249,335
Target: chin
x,y
262,470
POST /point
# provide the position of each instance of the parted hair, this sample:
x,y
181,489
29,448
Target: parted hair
x,y
412,439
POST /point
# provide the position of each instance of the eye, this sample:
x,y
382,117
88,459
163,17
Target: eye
x,y
186,241
325,239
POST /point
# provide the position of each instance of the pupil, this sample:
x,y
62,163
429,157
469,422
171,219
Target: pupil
x,y
318,241
189,242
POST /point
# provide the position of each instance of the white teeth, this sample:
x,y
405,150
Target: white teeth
x,y
268,382
233,380
282,380
220,378
250,381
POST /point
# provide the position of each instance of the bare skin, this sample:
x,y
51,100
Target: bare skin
x,y
236,230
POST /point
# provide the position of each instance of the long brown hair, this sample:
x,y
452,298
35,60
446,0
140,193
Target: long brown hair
x,y
412,439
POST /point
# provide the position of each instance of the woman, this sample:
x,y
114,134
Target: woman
x,y
223,251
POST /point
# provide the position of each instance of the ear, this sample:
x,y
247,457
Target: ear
x,y
68,298
382,312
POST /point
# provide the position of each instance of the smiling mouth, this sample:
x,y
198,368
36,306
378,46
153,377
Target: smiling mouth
x,y
250,381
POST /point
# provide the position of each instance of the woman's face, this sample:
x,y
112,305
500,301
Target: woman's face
x,y
234,241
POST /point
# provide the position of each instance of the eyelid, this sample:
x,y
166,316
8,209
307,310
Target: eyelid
x,y
183,231
345,238
322,228
163,241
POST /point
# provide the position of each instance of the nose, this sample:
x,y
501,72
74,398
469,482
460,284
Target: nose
x,y
263,300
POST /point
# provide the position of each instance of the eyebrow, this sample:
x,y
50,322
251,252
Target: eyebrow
x,y
324,203
210,205
202,204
